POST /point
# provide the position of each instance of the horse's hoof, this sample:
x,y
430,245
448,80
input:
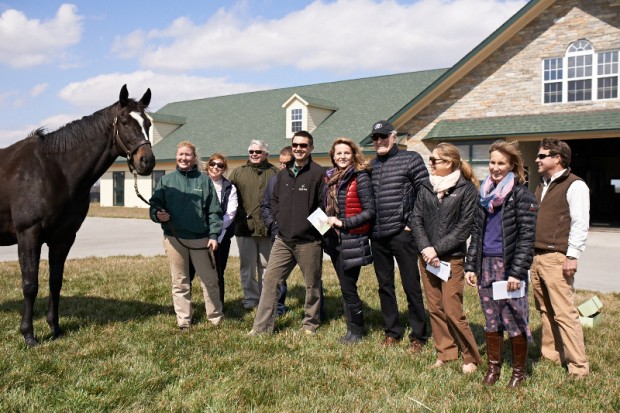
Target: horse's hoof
x,y
31,341
57,334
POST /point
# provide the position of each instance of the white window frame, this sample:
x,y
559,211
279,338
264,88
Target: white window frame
x,y
581,75
297,115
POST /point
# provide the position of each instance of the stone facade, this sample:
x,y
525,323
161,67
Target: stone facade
x,y
509,82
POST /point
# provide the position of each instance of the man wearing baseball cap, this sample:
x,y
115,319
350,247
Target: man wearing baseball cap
x,y
396,177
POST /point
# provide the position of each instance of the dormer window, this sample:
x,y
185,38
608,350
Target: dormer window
x,y
306,113
296,119
581,75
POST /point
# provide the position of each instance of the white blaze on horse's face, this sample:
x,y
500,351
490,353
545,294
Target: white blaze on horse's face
x,y
140,119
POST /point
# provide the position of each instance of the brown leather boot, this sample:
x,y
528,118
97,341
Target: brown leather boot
x,y
519,360
494,356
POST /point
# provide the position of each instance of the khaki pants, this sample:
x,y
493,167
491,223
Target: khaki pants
x,y
444,301
284,257
179,256
253,257
554,294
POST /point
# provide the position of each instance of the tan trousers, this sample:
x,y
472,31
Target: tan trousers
x,y
253,258
554,294
179,256
449,325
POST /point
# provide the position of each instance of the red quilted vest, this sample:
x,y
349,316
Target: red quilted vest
x,y
353,206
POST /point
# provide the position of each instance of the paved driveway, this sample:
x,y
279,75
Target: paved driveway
x,y
102,237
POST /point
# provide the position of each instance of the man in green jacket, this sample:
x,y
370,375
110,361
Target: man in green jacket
x,y
253,238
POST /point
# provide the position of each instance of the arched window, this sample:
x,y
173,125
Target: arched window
x,y
581,75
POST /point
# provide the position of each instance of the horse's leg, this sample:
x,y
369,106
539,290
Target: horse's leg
x,y
29,252
58,252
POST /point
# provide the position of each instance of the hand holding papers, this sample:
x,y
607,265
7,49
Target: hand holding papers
x,y
443,271
319,220
500,290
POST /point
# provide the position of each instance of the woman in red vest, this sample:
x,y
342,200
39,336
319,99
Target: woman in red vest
x,y
349,203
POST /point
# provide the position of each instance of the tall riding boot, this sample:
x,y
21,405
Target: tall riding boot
x,y
519,360
347,319
494,356
355,324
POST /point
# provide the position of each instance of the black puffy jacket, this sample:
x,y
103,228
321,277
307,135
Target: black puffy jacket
x,y
445,224
396,179
518,231
355,248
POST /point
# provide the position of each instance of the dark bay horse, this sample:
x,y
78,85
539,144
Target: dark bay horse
x,y
45,185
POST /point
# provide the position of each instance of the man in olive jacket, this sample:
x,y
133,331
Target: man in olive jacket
x,y
253,238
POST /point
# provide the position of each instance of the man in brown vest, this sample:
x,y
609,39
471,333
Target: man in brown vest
x,y
561,233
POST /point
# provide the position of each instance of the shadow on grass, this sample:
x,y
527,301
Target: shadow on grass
x,y
79,311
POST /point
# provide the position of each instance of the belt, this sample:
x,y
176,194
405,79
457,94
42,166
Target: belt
x,y
539,251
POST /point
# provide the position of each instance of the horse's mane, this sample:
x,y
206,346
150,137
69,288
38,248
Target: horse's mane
x,y
79,131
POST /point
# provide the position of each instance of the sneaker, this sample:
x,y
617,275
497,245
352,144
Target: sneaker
x,y
252,333
390,341
469,368
438,363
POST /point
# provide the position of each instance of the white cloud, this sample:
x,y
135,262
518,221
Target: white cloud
x,y
101,91
31,42
38,89
10,136
345,36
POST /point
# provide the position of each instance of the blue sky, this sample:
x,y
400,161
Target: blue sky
x,y
60,61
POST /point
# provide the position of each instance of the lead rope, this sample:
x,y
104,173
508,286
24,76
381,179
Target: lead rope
x,y
170,227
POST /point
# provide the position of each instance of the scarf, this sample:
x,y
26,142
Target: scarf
x,y
331,209
441,184
493,195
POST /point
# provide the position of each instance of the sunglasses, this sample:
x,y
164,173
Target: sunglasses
x,y
378,136
218,164
299,145
434,161
545,155
252,152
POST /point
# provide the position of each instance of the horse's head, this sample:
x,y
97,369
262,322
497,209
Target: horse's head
x,y
133,131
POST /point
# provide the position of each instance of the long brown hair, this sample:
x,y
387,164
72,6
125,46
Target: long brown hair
x,y
358,158
512,152
450,153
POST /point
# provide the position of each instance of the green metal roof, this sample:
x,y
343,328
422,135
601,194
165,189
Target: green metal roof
x,y
160,117
227,124
312,101
556,123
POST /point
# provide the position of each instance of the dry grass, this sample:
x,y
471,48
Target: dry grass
x,y
96,210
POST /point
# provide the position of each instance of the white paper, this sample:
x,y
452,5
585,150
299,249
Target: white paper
x,y
500,290
443,271
319,220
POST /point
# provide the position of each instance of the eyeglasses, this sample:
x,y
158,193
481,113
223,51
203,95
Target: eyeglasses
x,y
434,161
300,145
378,136
252,152
545,155
218,164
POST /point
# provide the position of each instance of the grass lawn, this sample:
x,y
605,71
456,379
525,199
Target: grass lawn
x,y
96,210
123,352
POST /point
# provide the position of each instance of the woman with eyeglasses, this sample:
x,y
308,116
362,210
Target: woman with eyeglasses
x,y
501,250
349,203
442,217
227,195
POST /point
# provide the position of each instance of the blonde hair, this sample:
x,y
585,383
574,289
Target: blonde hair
x,y
358,158
512,152
190,145
450,153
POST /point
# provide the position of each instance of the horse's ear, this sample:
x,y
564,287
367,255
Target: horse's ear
x,y
146,99
124,96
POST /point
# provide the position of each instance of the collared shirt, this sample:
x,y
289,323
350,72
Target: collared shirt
x,y
578,198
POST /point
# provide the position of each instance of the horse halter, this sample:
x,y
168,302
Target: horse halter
x,y
128,151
